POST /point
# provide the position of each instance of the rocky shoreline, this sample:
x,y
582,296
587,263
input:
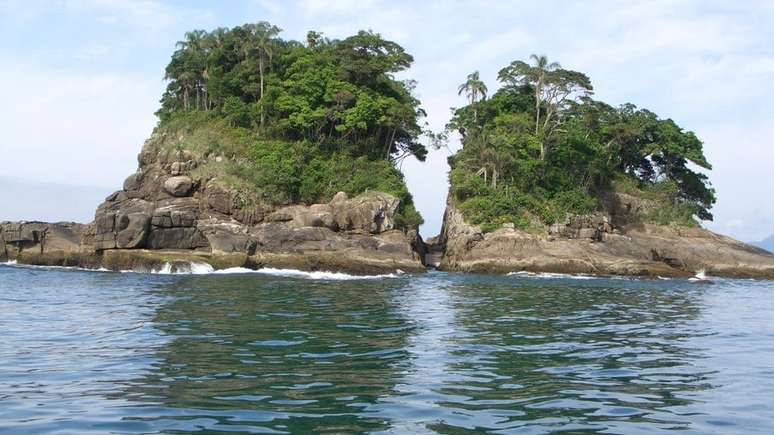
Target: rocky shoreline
x,y
632,249
167,216
164,215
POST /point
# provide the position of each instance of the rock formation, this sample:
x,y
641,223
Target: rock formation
x,y
163,214
613,243
166,214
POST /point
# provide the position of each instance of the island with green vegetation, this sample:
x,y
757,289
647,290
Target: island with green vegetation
x,y
278,153
551,180
268,153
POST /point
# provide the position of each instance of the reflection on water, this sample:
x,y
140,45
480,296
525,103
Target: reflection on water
x,y
438,353
291,355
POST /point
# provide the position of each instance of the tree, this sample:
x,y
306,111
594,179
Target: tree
x,y
365,57
544,148
339,95
261,41
313,39
475,90
552,86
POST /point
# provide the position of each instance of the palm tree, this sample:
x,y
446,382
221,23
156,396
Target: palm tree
x,y
475,90
265,34
540,68
193,48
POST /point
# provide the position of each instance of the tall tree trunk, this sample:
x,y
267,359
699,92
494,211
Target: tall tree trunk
x,y
538,88
389,144
260,70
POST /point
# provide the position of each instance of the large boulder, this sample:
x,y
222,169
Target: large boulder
x,y
133,182
132,230
178,186
372,212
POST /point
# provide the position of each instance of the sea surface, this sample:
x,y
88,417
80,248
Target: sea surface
x,y
278,352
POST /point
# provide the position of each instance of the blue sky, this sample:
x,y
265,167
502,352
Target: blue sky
x,y
82,78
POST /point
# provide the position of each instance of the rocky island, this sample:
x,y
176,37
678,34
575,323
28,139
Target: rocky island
x,y
551,180
268,153
276,153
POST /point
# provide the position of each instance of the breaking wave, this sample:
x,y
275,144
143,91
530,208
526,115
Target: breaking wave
x,y
206,269
318,275
196,268
550,275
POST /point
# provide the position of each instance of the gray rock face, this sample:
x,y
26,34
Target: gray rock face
x,y
176,238
162,208
132,182
132,230
164,211
371,213
648,250
44,243
218,199
226,238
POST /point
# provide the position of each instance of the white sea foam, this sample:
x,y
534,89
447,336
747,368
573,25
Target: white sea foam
x,y
317,275
192,268
526,274
701,276
206,269
196,268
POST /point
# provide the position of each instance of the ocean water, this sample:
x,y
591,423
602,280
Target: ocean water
x,y
282,352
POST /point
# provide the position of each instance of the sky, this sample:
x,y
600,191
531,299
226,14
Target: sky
x,y
82,78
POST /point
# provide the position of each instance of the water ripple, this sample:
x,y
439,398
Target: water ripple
x,y
438,353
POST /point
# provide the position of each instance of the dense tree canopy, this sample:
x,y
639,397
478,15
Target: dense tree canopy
x,y
339,94
298,121
541,147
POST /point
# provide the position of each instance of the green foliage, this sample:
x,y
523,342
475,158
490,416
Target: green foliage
x,y
296,123
206,134
540,148
465,184
334,93
408,217
236,112
285,172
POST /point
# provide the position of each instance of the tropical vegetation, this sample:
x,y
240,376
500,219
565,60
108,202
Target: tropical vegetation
x,y
295,121
541,148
